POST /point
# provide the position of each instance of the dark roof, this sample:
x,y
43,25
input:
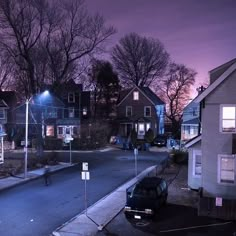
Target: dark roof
x,y
147,92
151,95
194,121
3,103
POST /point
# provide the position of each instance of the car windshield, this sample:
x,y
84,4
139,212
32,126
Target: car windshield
x,y
144,192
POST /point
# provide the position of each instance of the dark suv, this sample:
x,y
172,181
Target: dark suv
x,y
145,198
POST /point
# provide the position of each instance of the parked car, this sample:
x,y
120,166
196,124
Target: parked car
x,y
145,198
160,141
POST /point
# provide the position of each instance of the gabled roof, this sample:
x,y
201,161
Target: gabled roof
x,y
3,103
193,141
230,69
146,91
194,121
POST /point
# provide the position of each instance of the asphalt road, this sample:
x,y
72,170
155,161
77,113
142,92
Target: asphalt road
x,y
36,209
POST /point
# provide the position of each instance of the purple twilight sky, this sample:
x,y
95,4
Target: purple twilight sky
x,y
198,33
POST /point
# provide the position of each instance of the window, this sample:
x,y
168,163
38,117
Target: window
x,y
128,111
136,95
71,97
228,118
60,130
148,126
71,112
197,163
226,169
75,130
51,113
141,129
85,111
50,130
2,114
147,111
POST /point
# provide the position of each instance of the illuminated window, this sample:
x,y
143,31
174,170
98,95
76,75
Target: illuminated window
x,y
71,112
141,129
71,97
128,111
85,111
226,169
136,95
50,130
147,111
197,163
148,126
228,119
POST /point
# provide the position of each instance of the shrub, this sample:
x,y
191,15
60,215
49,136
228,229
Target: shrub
x,y
52,143
149,136
179,156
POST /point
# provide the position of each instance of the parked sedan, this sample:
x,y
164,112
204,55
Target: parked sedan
x,y
160,141
145,198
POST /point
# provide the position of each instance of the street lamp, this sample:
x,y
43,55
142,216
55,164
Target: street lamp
x,y
27,130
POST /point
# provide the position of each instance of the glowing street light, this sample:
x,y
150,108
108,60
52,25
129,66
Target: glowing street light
x,y
45,93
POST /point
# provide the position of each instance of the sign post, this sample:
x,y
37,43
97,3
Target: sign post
x,y
68,139
85,176
135,161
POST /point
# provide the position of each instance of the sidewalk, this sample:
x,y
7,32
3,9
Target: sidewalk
x,y
102,212
9,182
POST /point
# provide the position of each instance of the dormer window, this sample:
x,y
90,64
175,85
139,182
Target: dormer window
x,y
136,95
71,97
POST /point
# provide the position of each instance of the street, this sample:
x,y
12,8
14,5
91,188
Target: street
x,y
36,209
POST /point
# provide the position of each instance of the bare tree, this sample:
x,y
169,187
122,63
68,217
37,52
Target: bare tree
x,y
71,36
46,39
6,81
174,89
21,24
139,60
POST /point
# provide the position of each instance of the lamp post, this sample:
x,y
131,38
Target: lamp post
x,y
26,135
27,130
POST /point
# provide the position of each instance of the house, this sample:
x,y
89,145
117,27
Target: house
x,y
8,103
190,126
212,154
140,108
59,114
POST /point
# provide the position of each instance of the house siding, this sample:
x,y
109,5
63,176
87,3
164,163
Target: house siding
x,y
214,142
194,182
138,109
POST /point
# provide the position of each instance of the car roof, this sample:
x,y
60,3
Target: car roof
x,y
149,182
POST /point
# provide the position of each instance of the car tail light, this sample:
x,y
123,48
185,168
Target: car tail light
x,y
148,211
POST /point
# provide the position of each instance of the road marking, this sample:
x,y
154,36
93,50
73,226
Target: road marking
x,y
194,227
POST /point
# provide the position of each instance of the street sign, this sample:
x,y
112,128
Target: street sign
x,y
85,166
85,175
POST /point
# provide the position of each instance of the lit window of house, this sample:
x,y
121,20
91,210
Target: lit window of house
x,y
85,111
148,126
226,169
128,111
2,114
141,129
147,111
50,130
228,119
136,95
71,112
197,163
71,97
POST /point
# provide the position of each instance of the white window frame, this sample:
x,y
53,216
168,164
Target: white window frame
x,y
221,118
136,95
195,153
145,111
219,179
3,113
71,112
69,97
126,111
